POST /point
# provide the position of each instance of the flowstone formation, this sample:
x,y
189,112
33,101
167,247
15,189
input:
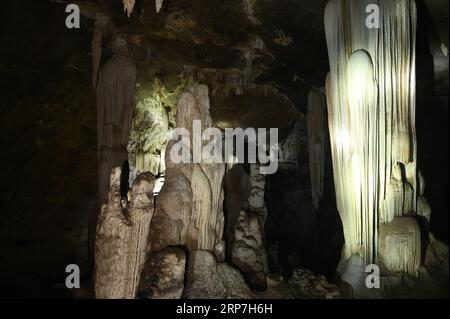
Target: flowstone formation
x,y
371,111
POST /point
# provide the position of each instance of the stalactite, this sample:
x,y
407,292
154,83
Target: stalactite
x,y
158,5
128,6
189,208
371,107
121,238
115,95
316,144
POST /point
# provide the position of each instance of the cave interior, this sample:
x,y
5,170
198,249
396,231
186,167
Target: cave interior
x,y
88,179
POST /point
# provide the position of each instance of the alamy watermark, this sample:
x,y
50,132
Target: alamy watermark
x,y
235,146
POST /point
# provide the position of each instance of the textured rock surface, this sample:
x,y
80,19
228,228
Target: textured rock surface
x,y
237,189
208,279
121,239
249,252
163,275
154,116
399,247
189,207
307,285
436,258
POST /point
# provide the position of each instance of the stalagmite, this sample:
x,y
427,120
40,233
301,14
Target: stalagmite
x,y
121,238
316,144
189,208
115,95
371,112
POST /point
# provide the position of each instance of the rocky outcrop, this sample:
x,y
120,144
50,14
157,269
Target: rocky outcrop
x,y
208,279
121,238
163,275
189,208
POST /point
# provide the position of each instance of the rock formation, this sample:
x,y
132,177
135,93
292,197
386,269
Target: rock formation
x,y
121,238
246,216
163,275
153,119
372,122
208,279
189,207
115,95
237,188
249,252
399,247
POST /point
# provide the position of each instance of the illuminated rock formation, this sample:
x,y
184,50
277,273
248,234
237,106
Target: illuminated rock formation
x,y
189,208
121,238
371,108
153,118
